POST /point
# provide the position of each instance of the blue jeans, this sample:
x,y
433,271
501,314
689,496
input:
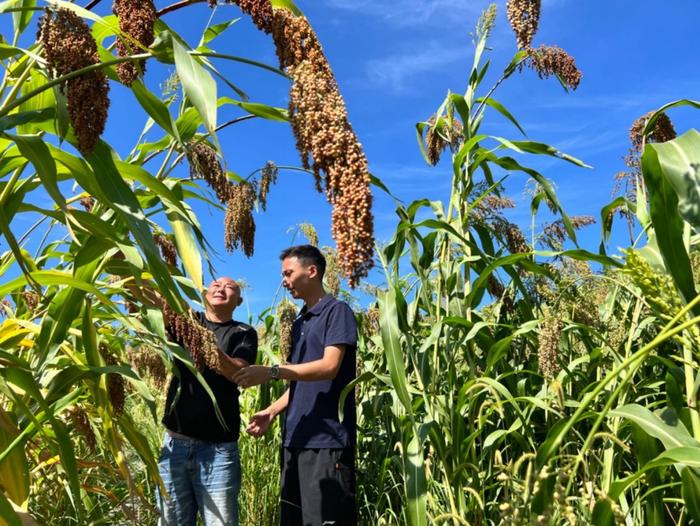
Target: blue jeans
x,y
202,477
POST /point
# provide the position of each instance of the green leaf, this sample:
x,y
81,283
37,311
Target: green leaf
x,y
17,119
690,490
391,336
115,192
155,108
500,108
36,151
416,483
214,31
665,216
198,84
21,19
262,110
669,430
539,148
187,247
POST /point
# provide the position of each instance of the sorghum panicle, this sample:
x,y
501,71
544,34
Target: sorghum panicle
x,y
136,19
148,363
167,248
552,60
259,10
204,164
81,423
309,233
439,136
524,17
331,278
193,336
69,46
326,141
88,202
267,179
663,131
116,386
548,356
286,313
239,225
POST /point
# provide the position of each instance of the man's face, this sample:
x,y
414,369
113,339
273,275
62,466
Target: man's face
x,y
224,292
296,278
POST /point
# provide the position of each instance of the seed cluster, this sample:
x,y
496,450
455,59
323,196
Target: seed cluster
x,y
239,225
259,10
268,177
553,60
486,21
548,357
524,17
87,202
515,240
81,423
332,276
309,233
439,136
371,322
197,339
626,181
326,141
31,299
663,131
5,308
116,386
69,46
555,233
286,314
136,20
499,293
204,164
167,248
148,363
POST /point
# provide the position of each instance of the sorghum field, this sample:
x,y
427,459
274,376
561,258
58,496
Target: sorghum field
x,y
506,375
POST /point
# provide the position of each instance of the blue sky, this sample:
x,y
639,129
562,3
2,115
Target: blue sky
x,y
396,60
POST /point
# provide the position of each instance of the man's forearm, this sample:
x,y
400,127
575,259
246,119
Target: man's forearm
x,y
314,371
280,404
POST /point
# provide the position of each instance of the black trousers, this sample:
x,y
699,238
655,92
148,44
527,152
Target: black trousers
x,y
318,487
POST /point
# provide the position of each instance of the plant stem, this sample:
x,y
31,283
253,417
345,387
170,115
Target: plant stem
x,y
176,6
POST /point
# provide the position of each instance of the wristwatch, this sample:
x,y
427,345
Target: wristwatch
x,y
275,372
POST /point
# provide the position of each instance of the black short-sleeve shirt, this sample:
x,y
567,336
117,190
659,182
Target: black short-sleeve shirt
x,y
191,412
312,419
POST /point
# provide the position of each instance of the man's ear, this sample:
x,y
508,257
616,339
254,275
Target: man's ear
x,y
313,271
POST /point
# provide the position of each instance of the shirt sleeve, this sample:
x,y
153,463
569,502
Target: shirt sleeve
x,y
341,327
247,349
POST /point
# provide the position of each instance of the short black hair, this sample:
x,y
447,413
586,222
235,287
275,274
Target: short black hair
x,y
307,255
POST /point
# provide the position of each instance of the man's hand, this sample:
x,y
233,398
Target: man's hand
x,y
252,375
260,423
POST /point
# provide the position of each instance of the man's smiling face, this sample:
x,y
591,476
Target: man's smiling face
x,y
224,292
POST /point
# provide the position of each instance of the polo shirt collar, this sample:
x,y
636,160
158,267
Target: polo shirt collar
x,y
318,308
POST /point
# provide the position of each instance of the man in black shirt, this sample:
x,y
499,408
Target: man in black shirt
x,y
199,462
318,466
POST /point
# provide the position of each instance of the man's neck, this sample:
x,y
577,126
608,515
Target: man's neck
x,y
314,297
218,317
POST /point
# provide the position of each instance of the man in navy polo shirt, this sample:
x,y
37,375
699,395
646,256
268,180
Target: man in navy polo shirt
x,y
318,466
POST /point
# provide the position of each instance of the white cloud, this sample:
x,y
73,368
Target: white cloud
x,y
394,71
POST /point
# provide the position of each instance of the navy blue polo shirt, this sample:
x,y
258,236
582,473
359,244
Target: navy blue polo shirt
x,y
312,414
